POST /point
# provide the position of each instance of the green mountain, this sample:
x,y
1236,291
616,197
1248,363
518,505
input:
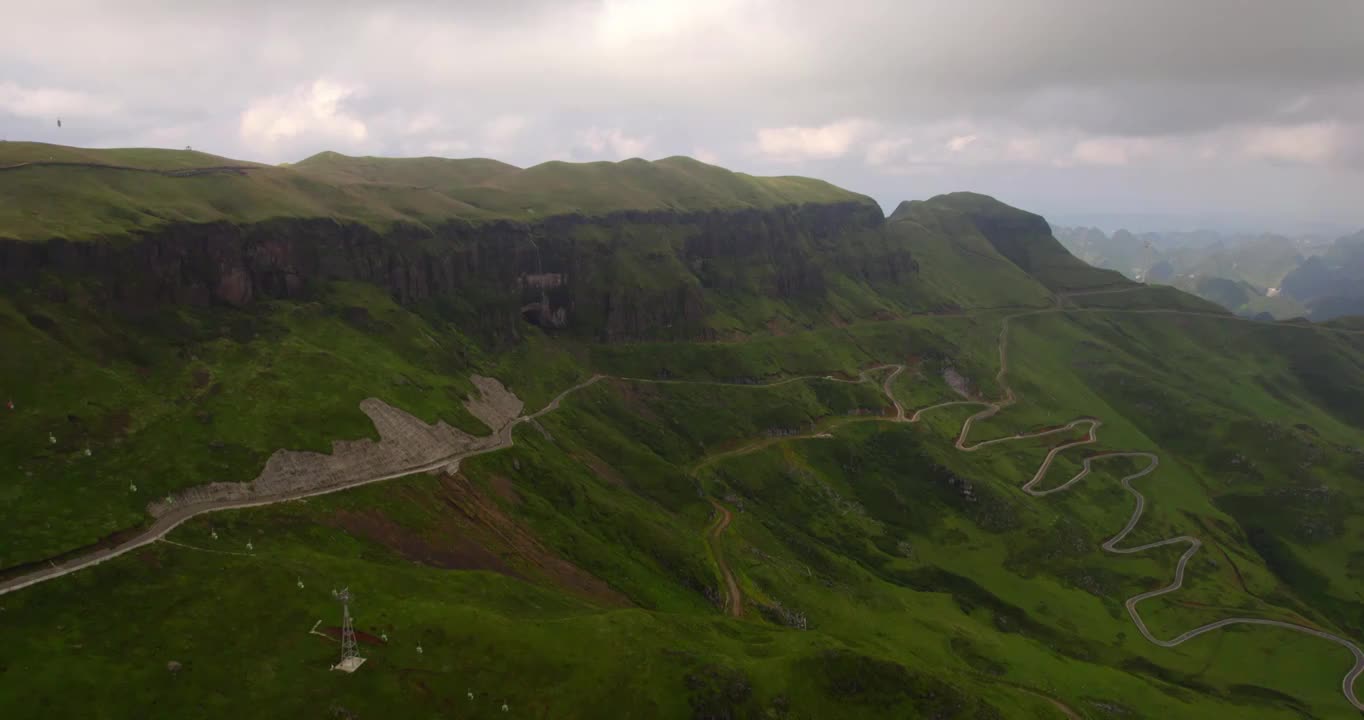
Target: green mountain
x,y
106,193
676,443
1331,285
1240,272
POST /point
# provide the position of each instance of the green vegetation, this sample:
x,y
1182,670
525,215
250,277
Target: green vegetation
x,y
1021,237
111,193
918,596
882,571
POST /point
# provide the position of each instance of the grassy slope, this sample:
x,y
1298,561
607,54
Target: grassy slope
x,y
910,588
1021,237
921,600
82,203
183,398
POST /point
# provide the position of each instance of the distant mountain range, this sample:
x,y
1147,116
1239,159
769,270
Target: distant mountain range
x,y
1250,274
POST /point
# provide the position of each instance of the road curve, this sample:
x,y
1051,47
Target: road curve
x,y
735,604
1111,545
179,515
503,439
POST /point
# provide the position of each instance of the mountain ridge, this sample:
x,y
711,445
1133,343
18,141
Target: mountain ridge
x,y
723,493
686,254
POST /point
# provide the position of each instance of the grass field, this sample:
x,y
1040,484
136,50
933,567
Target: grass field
x,y
883,571
85,194
917,597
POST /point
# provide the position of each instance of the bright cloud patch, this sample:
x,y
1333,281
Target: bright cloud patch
x,y
315,111
1023,150
613,142
888,151
501,133
706,156
792,144
1111,151
960,142
1309,144
43,102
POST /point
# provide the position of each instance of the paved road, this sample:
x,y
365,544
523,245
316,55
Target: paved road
x,y
1111,545
177,516
990,408
503,438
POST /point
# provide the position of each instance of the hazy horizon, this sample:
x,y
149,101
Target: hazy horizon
x,y
1175,110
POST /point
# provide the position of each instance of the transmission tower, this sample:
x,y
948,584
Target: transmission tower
x,y
350,655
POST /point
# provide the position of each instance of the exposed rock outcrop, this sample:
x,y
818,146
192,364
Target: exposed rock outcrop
x,y
405,442
628,275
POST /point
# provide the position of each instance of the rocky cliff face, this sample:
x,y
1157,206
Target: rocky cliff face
x,y
618,277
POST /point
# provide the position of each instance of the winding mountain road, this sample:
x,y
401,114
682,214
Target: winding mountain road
x,y
992,408
179,515
503,439
735,604
1111,545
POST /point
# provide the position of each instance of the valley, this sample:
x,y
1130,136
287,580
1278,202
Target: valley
x,y
749,486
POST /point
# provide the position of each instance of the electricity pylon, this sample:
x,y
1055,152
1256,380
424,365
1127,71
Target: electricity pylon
x,y
350,655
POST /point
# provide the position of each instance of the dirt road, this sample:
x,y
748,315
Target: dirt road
x,y
735,604
991,408
503,438
179,515
1111,545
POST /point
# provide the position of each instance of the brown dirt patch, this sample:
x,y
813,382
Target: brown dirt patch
x,y
504,488
603,470
469,530
449,551
519,546
361,636
637,398
116,423
201,378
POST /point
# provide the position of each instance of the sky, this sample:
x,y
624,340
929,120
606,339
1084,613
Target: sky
x,y
1195,112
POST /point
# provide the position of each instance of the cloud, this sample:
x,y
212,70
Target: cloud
x,y
501,133
960,142
888,151
1308,144
706,156
793,144
422,124
1111,151
1024,149
316,110
1068,102
447,147
47,102
614,142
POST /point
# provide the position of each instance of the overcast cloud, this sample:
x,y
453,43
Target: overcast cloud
x,y
1250,108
